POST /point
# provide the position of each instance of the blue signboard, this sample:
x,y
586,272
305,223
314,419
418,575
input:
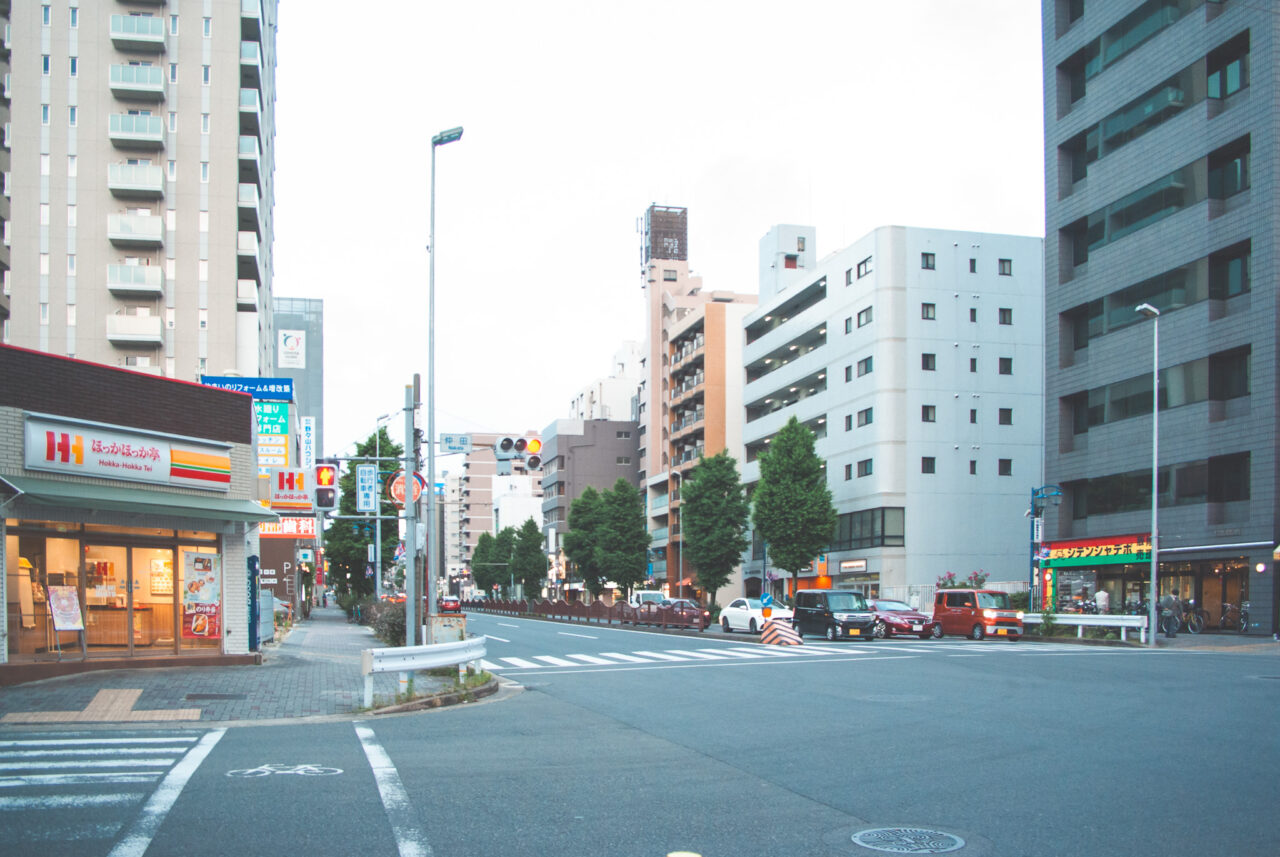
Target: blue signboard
x,y
272,389
766,600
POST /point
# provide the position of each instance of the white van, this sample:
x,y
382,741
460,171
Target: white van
x,y
646,596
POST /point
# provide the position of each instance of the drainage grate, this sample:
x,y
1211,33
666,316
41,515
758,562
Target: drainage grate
x,y
908,840
196,696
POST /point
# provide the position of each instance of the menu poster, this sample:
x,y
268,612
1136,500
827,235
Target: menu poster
x,y
64,606
201,597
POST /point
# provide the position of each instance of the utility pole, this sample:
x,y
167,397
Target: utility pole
x,y
410,516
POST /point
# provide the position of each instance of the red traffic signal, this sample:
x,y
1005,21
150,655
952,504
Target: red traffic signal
x,y
326,486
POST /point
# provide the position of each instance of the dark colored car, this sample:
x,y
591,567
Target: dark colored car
x,y
450,604
837,614
898,617
686,605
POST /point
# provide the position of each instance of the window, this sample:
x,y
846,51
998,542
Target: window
x,y
799,238
864,267
848,422
1229,170
1006,365
73,66
173,170
1005,467
848,276
864,366
973,364
173,25
973,415
71,116
205,75
1006,315
71,215
208,27
928,413
1006,268
45,15
870,528
71,264
973,467
173,72
928,464
973,266
173,122
1228,67
848,325
791,261
1006,416
622,435
204,172
1229,272
623,460
928,261
928,362
865,417
864,317
929,312
74,22
668,275
864,467
973,314
848,373
848,472
72,166
44,114
44,64
204,123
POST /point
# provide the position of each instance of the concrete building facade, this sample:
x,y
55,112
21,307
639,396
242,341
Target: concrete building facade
x,y
914,356
1160,165
140,147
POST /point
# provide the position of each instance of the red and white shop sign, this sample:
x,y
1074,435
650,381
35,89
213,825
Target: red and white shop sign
x,y
288,528
113,452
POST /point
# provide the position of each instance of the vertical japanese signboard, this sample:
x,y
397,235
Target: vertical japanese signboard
x,y
273,434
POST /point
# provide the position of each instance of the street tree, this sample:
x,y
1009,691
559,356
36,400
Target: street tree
x,y
713,520
792,504
585,515
483,571
346,540
622,549
528,559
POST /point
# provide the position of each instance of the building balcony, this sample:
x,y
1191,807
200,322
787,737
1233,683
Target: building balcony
x,y
250,111
135,330
251,19
248,200
250,159
134,131
251,65
131,281
246,295
137,33
135,230
135,181
249,263
137,82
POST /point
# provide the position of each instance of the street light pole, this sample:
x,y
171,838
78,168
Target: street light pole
x,y
1044,492
680,524
433,530
1154,314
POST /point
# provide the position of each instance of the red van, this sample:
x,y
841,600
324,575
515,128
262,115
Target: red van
x,y
976,613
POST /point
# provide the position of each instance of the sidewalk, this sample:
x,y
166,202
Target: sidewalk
x,y
314,672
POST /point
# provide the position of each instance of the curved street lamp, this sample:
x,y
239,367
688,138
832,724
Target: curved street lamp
x,y
1152,313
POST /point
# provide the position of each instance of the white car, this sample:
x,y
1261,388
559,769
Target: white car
x,y
746,614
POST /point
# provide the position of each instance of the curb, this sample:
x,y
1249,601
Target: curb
x,y
439,700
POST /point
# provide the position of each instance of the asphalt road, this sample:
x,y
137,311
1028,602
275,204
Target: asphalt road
x,y
608,748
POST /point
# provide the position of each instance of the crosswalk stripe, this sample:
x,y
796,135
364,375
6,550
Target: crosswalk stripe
x,y
689,653
738,653
115,763
630,659
554,661
771,651
521,663
79,779
70,801
592,659
661,656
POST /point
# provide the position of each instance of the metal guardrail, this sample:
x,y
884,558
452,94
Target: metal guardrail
x,y
407,659
1104,620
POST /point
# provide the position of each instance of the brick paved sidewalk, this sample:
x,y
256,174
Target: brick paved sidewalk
x,y
313,672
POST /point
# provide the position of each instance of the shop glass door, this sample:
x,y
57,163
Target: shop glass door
x,y
105,596
153,620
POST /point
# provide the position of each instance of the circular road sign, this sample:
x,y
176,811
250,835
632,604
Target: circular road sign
x,y
396,487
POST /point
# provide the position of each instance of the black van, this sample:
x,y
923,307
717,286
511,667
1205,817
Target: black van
x,y
836,613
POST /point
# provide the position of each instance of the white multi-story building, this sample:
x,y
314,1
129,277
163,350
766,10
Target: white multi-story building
x,y
138,185
614,396
916,357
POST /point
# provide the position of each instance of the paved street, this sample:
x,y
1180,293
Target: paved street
x,y
602,746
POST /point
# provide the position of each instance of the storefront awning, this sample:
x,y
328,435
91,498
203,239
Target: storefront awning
x,y
83,495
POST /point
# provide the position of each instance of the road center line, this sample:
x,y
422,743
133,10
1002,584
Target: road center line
x,y
395,800
499,639
508,625
571,634
136,842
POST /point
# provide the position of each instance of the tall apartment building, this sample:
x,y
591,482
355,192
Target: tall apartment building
x,y
1154,112
612,397
691,387
914,356
299,354
139,183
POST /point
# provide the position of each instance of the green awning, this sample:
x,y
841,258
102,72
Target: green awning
x,y
138,501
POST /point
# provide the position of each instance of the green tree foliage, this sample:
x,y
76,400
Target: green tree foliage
x,y
585,514
623,543
483,571
346,541
793,511
713,520
528,560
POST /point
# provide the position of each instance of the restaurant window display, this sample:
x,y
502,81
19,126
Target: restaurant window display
x,y
137,590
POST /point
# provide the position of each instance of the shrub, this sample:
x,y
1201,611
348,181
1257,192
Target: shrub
x,y
1020,601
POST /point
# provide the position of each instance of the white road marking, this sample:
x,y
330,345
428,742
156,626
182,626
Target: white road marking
x,y
737,653
556,662
138,839
571,634
410,840
508,625
591,659
499,639
661,656
773,651
114,763
631,659
101,751
488,666
79,779
95,741
521,663
689,653
69,801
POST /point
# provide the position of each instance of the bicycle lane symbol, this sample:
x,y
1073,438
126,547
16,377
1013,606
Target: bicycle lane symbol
x,y
275,768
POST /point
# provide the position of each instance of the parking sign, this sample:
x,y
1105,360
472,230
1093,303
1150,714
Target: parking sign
x,y
366,487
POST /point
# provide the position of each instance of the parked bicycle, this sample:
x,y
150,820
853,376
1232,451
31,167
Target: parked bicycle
x,y
1193,618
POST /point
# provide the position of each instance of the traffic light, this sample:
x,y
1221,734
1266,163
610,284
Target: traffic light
x,y
505,448
326,486
532,453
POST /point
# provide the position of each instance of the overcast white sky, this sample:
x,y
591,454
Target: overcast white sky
x,y
844,115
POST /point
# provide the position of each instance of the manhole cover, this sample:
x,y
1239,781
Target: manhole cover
x,y
908,840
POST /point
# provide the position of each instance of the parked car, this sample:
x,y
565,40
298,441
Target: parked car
x,y
450,604
646,596
747,614
976,613
835,613
899,617
689,606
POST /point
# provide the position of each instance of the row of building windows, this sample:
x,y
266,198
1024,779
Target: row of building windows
x,y
928,262
928,363
73,169
928,466
73,20
928,312
1219,479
